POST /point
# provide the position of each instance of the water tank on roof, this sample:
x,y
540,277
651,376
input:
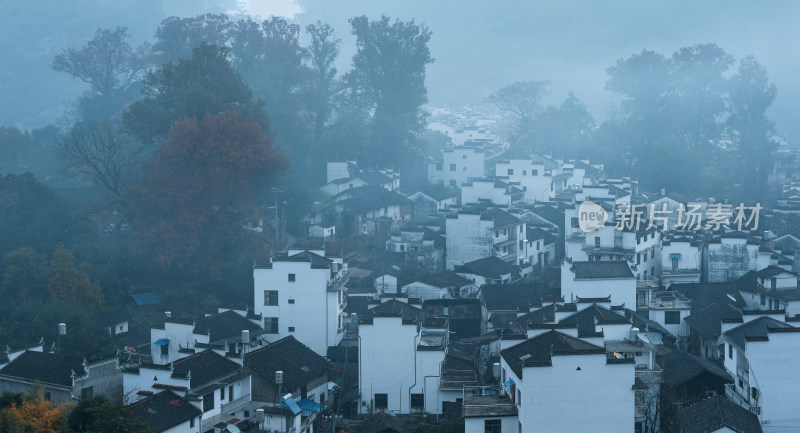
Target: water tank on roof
x,y
245,336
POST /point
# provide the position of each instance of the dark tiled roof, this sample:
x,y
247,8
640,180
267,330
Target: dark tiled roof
x,y
500,218
538,317
704,294
371,197
550,214
298,363
537,351
714,413
595,314
515,297
44,367
374,177
488,267
707,321
444,279
602,269
439,192
772,270
758,329
393,307
316,260
164,411
357,305
645,323
535,233
205,367
224,326
681,367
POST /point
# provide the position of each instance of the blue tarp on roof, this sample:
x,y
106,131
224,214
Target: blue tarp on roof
x,y
308,406
162,342
509,382
291,405
145,299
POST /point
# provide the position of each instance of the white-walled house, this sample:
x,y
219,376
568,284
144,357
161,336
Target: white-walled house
x,y
562,383
301,295
217,385
681,257
400,360
473,235
763,356
441,285
168,412
599,279
729,256
460,164
178,338
535,176
494,191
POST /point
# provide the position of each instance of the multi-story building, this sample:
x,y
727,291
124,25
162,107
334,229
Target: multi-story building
x,y
300,294
472,235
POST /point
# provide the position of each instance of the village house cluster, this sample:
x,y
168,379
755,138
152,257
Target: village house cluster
x,y
478,298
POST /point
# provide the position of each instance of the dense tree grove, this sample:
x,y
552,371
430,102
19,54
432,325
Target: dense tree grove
x,y
703,117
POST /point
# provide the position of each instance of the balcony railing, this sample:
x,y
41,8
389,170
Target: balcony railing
x,y
669,300
236,404
649,376
337,283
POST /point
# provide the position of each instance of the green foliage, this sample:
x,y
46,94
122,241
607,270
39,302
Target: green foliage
x,y
388,80
206,83
692,113
97,414
24,275
177,38
201,192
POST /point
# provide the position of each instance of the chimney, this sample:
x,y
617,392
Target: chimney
x,y
62,329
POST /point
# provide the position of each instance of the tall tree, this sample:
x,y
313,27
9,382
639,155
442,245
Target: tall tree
x,y
176,38
323,49
751,94
34,415
24,275
71,285
202,191
102,152
97,414
269,56
206,83
107,63
389,76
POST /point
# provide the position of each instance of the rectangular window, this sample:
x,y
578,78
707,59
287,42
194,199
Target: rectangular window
x,y
524,172
653,253
638,258
291,329
773,283
270,297
208,402
730,351
763,300
463,156
222,394
438,167
86,393
510,171
381,401
165,349
534,172
492,426
48,396
573,222
452,167
418,401
674,264
672,317
271,325
597,241
452,182
291,278
230,393
191,423
291,301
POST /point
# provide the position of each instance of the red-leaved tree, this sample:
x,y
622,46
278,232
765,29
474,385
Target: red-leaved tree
x,y
203,188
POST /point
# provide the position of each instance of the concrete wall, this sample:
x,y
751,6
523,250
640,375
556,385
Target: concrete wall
x,y
468,238
314,311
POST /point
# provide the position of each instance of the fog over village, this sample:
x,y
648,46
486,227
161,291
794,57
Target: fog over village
x,y
360,216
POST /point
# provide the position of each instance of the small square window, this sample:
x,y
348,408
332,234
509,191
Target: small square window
x,y
381,401
291,329
672,317
291,301
452,167
291,278
510,171
417,401
463,156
